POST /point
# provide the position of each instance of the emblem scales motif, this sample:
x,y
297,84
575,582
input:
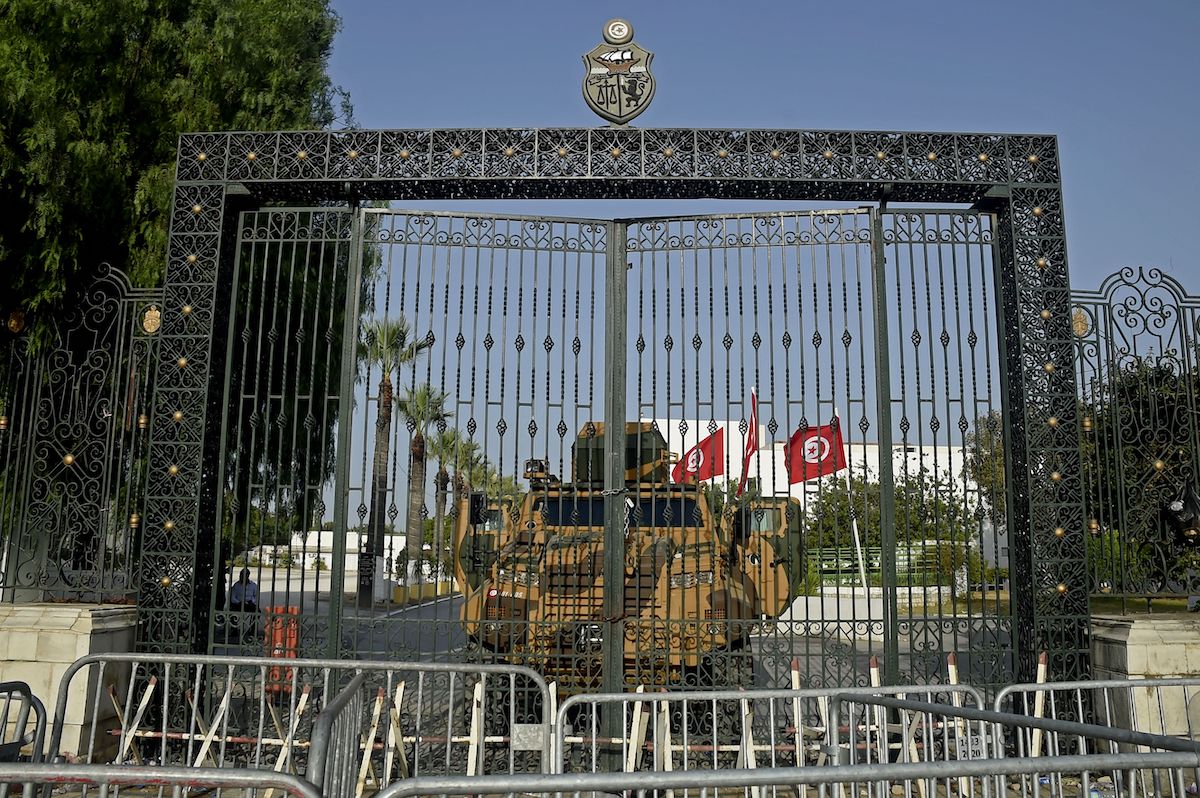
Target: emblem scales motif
x,y
617,84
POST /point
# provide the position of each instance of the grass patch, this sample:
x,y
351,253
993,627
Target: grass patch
x,y
1115,605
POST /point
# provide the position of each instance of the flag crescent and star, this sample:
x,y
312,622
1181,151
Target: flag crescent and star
x,y
810,453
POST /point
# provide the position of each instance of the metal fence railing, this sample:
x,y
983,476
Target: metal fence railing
x,y
999,730
22,723
736,728
99,780
355,728
1169,707
979,778
397,719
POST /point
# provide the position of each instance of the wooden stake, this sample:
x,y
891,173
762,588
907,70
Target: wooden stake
x,y
746,756
797,714
395,741
200,724
285,753
112,694
956,701
1039,702
369,744
222,708
637,737
137,718
662,741
475,748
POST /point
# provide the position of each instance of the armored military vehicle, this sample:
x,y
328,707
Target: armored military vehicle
x,y
695,587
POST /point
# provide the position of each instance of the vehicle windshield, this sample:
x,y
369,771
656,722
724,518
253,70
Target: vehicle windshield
x,y
657,512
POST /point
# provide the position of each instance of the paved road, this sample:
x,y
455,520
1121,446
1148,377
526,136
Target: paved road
x,y
828,653
428,631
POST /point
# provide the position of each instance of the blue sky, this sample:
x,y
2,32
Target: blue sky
x,y
1116,81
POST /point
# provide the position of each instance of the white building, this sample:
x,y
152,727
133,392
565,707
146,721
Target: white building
x,y
306,548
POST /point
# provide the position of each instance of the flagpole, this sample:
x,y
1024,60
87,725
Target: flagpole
x,y
862,569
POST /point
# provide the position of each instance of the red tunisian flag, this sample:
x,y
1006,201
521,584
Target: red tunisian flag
x,y
814,452
751,441
703,461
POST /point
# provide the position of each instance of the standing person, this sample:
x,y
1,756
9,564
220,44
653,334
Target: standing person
x,y
243,596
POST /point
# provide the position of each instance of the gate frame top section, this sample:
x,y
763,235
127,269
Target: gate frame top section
x,y
592,163
1016,176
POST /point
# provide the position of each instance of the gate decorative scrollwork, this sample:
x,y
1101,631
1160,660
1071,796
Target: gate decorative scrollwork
x,y
73,454
1139,408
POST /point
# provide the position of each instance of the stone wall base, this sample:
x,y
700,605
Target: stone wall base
x,y
1155,646
39,641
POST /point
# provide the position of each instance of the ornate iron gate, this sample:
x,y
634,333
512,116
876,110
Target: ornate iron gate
x,y
1014,177
1138,371
391,371
73,448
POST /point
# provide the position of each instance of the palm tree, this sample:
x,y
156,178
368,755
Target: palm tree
x,y
448,448
422,406
389,345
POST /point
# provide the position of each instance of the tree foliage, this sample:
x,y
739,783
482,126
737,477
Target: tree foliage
x,y
93,97
983,450
1138,444
1139,423
928,506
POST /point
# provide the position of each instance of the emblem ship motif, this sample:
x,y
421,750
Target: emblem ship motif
x,y
617,60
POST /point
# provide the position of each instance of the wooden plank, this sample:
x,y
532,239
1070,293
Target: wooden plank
x,y
285,752
395,740
637,736
127,739
112,694
475,746
368,746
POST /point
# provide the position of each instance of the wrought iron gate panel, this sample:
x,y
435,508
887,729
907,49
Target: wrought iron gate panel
x,y
1138,370
720,306
801,306
500,360
73,421
445,373
946,485
283,419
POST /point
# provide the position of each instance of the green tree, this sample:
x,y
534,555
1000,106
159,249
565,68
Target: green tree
x,y
386,345
422,407
448,449
929,506
94,94
1139,422
983,449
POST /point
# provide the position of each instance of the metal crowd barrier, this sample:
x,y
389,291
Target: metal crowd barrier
x,y
335,740
22,722
397,719
167,780
982,778
996,725
761,728
1169,707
